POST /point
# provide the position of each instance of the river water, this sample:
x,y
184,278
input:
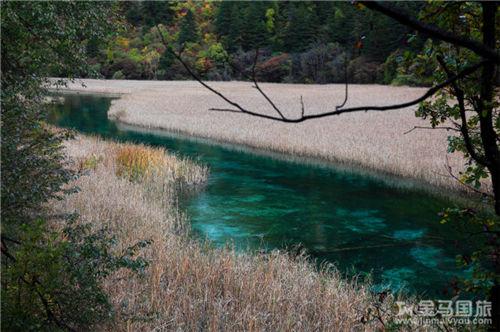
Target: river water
x,y
252,200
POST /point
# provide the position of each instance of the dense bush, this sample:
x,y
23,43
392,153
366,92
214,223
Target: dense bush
x,y
320,63
54,281
362,70
51,276
274,69
400,69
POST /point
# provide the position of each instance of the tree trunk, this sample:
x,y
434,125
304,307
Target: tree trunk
x,y
489,136
485,109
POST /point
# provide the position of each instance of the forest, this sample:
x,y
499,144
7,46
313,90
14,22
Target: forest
x,y
298,42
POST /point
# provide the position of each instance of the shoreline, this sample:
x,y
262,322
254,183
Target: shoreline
x,y
370,142
457,195
188,274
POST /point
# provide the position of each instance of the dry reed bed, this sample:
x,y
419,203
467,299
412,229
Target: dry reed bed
x,y
189,286
373,140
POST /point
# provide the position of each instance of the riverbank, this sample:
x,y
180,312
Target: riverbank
x,y
188,285
374,140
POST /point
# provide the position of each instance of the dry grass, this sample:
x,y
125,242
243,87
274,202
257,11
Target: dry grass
x,y
373,140
147,164
188,285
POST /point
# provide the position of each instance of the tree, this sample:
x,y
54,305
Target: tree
x,y
254,33
188,30
485,102
300,26
229,24
475,116
39,40
155,12
50,280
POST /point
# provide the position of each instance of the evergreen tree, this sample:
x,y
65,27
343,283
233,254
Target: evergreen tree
x,y
300,27
166,60
188,33
340,26
383,36
229,24
133,12
155,12
223,18
255,32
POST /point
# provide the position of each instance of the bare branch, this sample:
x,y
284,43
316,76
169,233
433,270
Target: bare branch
x,y
450,172
433,31
302,106
338,109
423,127
464,129
192,73
346,84
256,85
467,71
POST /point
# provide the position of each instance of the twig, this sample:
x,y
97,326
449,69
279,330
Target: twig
x,y
450,172
433,31
423,127
346,84
302,107
464,129
256,85
467,71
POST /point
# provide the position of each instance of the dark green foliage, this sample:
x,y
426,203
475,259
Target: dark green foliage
x,y
132,12
54,280
39,39
156,12
382,37
228,24
188,30
167,59
255,35
93,48
274,27
300,29
50,280
471,108
340,25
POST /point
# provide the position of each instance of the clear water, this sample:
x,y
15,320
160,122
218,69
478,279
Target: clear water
x,y
255,201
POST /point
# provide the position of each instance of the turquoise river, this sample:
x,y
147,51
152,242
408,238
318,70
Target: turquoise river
x,y
260,201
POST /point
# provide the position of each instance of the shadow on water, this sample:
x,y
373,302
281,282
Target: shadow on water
x,y
353,220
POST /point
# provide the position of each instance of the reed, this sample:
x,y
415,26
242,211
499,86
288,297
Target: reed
x,y
188,284
376,141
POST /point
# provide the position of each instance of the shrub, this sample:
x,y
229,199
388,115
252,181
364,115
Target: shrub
x,y
138,162
118,75
406,79
275,68
391,67
129,68
362,70
54,282
51,280
317,64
